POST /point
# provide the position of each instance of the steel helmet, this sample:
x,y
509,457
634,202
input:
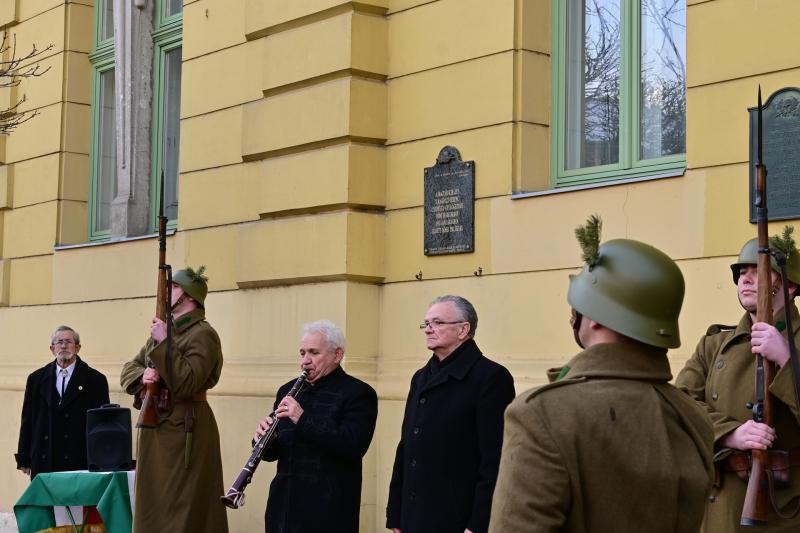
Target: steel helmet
x,y
749,256
632,288
193,283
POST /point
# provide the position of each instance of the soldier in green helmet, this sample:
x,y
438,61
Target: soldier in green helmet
x,y
609,444
720,375
179,465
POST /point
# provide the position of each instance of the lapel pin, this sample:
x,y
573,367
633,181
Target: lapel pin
x,y
80,387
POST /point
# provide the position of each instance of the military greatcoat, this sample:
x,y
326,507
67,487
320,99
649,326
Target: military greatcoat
x,y
171,496
610,447
721,376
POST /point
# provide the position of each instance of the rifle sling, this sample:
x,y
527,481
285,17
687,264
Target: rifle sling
x,y
790,335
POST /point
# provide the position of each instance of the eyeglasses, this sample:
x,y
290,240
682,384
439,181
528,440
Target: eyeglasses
x,y
436,324
66,342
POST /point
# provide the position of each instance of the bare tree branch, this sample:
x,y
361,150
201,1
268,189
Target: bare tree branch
x,y
12,71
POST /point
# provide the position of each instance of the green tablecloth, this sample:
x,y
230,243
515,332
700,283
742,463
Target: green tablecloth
x,y
106,490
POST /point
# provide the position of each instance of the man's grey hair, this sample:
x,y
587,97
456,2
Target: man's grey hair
x,y
75,335
334,338
466,311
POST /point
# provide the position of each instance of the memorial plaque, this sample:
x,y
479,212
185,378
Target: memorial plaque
x,y
450,204
781,149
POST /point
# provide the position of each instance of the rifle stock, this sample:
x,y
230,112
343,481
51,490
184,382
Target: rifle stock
x,y
152,398
755,511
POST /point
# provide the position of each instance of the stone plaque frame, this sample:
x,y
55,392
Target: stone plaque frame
x,y
449,204
781,149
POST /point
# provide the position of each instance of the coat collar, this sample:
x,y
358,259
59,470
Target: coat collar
x,y
467,354
333,377
185,321
75,385
624,360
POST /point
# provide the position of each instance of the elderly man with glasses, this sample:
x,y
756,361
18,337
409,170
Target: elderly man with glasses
x,y
52,434
449,451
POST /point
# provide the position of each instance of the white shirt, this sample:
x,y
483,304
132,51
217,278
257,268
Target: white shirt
x,y
70,369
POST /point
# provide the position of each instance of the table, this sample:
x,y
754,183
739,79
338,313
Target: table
x,y
110,492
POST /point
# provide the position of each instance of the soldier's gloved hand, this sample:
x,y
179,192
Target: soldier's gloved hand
x,y
158,329
768,341
150,376
751,435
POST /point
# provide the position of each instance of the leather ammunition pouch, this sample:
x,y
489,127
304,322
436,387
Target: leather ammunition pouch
x,y
780,464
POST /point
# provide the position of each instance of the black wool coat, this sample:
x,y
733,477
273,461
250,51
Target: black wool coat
x,y
318,483
447,460
52,436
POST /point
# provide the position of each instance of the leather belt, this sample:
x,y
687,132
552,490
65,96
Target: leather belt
x,y
196,397
742,461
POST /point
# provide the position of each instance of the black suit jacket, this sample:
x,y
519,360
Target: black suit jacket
x,y
447,460
52,436
318,483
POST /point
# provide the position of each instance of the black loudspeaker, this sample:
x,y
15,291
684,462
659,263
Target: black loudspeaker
x,y
108,438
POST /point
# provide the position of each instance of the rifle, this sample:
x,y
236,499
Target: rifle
x,y
155,395
755,510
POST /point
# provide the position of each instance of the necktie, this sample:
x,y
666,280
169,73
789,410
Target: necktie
x,y
63,381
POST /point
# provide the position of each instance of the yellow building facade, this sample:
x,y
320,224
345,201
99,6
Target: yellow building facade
x,y
305,128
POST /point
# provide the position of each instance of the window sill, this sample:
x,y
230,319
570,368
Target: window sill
x,y
609,183
59,247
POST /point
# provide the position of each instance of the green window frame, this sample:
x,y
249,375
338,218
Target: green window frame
x,y
167,43
102,61
167,38
629,163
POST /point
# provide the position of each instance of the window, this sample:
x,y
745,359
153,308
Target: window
x,y
167,40
103,151
166,35
619,89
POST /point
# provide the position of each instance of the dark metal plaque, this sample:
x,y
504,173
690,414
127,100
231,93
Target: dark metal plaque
x,y
781,138
450,204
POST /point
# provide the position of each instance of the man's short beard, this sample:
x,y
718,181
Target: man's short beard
x,y
65,357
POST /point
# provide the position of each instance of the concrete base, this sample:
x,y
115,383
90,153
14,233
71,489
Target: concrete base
x,y
8,524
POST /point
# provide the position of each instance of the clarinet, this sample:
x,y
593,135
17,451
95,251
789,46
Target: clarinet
x,y
234,498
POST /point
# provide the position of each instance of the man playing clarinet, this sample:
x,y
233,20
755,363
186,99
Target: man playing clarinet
x,y
322,435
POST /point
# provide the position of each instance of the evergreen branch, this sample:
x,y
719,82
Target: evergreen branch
x,y
588,237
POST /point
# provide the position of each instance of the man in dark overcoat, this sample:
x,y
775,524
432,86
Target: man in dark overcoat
x,y
720,375
52,435
446,462
179,464
322,435
610,445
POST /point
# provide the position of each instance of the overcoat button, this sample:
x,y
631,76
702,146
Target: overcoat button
x,y
715,396
712,498
413,463
422,400
45,437
720,363
416,431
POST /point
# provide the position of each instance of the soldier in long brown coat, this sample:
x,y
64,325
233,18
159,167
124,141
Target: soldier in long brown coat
x,y
178,471
721,377
610,445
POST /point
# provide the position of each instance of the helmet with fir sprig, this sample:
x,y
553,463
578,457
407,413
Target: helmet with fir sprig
x,y
784,243
194,283
628,286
